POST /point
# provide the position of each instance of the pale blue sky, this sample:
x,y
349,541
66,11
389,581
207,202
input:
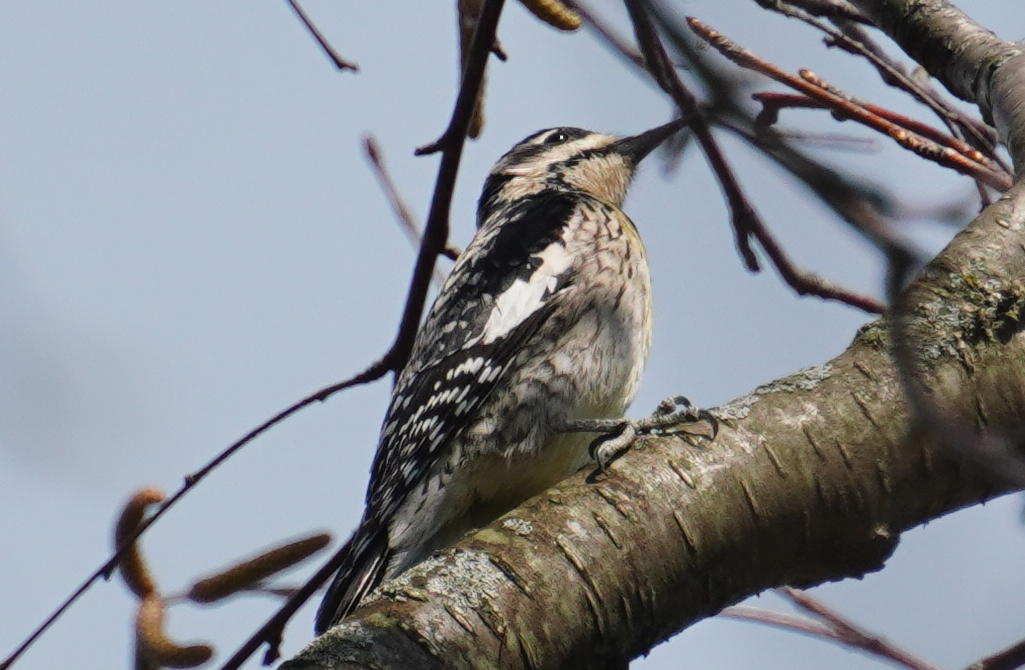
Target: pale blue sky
x,y
190,240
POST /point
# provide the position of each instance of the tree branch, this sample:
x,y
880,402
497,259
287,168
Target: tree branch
x,y
972,62
812,478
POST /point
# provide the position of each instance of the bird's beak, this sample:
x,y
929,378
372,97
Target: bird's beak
x,y
638,146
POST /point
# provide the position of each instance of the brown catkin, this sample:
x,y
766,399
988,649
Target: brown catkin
x,y
133,568
245,574
554,13
154,648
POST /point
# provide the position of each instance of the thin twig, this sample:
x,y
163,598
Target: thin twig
x,y
835,628
853,39
338,61
965,127
399,206
433,243
792,622
854,636
1007,659
375,371
974,164
746,222
773,102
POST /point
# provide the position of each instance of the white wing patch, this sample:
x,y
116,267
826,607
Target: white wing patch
x,y
524,298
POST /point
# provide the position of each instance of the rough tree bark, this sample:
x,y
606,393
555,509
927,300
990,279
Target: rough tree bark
x,y
812,478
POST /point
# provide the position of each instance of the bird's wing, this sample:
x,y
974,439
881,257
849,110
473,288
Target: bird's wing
x,y
483,318
502,290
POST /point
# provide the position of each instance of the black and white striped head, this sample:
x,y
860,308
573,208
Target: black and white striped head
x,y
570,159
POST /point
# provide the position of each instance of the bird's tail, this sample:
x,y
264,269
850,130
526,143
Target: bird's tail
x,y
363,568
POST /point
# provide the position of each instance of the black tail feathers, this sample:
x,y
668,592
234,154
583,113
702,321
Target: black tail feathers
x,y
363,569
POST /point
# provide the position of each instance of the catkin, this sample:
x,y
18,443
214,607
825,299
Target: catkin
x,y
133,568
245,574
155,649
554,13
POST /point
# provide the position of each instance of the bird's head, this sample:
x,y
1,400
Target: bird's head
x,y
570,159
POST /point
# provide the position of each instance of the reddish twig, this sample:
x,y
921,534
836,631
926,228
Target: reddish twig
x,y
773,102
834,629
792,622
746,222
965,127
814,87
338,61
852,635
853,39
950,152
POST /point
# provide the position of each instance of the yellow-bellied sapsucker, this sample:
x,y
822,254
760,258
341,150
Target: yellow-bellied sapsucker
x,y
542,327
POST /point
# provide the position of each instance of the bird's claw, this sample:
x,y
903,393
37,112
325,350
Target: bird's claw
x,y
673,411
608,447
618,435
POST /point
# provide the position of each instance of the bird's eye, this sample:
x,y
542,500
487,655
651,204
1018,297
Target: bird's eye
x,y
557,137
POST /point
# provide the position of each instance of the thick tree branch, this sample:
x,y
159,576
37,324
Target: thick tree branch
x,y
813,479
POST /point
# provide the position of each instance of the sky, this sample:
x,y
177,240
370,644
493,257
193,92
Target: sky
x,y
191,240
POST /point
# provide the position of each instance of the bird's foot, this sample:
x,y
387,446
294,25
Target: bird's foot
x,y
618,435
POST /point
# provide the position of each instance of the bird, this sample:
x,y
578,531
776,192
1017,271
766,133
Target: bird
x,y
539,333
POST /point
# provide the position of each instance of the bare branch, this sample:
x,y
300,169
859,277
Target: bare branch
x,y
329,51
854,636
398,204
746,222
1011,658
375,371
434,241
834,9
852,38
973,163
969,60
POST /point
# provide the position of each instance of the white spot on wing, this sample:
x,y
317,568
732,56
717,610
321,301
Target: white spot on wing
x,y
469,366
523,298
